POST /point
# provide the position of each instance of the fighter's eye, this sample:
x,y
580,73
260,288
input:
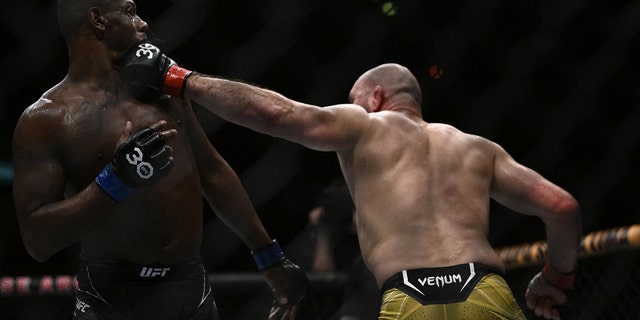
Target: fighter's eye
x,y
131,12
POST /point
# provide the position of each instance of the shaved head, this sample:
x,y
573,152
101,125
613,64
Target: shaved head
x,y
386,86
395,79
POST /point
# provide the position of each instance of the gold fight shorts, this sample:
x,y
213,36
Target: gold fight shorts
x,y
467,291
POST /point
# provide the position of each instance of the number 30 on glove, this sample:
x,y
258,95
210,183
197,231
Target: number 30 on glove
x,y
140,161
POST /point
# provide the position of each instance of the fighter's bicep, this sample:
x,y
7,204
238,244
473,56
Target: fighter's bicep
x,y
519,187
39,179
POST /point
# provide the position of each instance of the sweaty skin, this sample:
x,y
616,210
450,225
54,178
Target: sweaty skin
x,y
421,190
64,140
66,137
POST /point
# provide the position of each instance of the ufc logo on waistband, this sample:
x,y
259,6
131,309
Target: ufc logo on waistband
x,y
148,272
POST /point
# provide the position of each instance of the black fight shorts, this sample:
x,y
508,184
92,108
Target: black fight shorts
x,y
109,289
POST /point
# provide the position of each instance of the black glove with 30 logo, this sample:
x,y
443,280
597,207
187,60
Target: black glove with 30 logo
x,y
142,160
145,67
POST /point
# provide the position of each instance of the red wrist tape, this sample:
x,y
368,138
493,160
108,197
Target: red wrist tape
x,y
559,279
174,81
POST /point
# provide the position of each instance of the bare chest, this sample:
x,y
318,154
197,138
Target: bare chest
x,y
91,131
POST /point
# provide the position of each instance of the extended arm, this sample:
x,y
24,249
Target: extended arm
x,y
332,128
266,111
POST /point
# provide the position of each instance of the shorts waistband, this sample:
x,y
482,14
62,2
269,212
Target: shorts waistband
x,y
127,269
440,284
479,268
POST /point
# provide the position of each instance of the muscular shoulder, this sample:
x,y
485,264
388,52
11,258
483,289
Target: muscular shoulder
x,y
42,121
464,137
331,128
349,111
41,117
34,134
455,140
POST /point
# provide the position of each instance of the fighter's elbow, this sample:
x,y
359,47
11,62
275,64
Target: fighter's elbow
x,y
566,209
40,258
38,253
569,206
37,249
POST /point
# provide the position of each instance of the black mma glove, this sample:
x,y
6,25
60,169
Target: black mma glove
x,y
288,281
140,161
144,66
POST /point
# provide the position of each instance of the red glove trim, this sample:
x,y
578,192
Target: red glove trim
x,y
174,81
559,279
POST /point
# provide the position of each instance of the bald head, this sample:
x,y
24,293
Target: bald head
x,y
396,82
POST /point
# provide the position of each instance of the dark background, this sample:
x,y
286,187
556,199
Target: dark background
x,y
554,82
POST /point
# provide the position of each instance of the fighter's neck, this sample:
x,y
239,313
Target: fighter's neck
x,y
405,109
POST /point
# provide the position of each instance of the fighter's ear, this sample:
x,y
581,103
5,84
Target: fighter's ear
x,y
378,98
96,19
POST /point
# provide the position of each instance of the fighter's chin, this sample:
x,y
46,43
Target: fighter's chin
x,y
137,42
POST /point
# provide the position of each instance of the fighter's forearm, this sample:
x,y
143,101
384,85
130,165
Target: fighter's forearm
x,y
61,224
563,239
224,192
243,104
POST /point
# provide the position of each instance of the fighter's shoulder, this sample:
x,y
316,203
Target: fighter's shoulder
x,y
346,108
444,129
469,139
44,109
43,115
348,113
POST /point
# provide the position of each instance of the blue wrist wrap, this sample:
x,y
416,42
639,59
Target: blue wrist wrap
x,y
268,256
112,185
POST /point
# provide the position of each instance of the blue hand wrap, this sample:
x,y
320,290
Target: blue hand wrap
x,y
112,184
268,256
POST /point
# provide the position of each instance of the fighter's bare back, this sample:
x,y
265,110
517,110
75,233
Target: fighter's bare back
x,y
436,212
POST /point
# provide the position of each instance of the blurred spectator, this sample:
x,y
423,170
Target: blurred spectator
x,y
336,250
